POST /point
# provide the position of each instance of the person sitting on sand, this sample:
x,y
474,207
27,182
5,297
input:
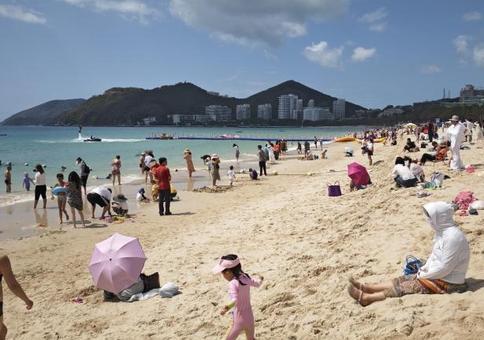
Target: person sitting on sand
x,y
12,283
142,285
140,196
239,292
410,146
253,174
445,269
402,175
100,196
417,170
439,155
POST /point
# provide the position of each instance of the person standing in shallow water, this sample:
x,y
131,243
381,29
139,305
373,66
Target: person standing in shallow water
x,y
237,152
116,169
187,155
215,169
12,283
40,186
8,179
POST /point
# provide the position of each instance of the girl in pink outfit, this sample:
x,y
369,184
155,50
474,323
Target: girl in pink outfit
x,y
239,293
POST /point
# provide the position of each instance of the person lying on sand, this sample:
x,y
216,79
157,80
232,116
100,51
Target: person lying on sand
x,y
445,269
7,273
142,285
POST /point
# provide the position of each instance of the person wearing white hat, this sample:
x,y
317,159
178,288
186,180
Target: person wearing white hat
x,y
455,134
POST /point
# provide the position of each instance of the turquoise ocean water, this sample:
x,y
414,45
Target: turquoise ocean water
x,y
60,146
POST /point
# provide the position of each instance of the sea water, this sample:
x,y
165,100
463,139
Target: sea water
x,y
56,147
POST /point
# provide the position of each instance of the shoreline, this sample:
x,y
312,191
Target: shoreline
x,y
285,228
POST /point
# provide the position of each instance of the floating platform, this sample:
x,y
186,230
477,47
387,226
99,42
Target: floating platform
x,y
234,138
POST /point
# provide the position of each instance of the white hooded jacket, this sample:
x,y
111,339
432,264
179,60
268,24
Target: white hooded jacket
x,y
450,253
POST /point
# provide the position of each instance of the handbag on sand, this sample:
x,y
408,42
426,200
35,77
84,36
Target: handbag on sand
x,y
334,190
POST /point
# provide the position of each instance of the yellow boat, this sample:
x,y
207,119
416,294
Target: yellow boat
x,y
376,140
345,139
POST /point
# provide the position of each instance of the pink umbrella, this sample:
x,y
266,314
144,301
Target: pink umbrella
x,y
358,174
116,263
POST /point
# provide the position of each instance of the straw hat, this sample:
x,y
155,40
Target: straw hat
x,y
186,150
215,156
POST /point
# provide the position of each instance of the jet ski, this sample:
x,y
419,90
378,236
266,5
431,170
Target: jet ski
x,y
93,139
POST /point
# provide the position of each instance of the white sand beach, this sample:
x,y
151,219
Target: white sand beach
x,y
283,227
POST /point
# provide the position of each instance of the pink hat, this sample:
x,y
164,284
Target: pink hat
x,y
225,264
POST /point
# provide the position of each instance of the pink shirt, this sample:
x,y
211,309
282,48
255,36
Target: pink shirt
x,y
241,295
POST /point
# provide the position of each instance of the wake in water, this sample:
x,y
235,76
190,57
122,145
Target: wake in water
x,y
80,139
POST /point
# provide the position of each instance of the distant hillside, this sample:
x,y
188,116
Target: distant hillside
x,y
43,114
127,106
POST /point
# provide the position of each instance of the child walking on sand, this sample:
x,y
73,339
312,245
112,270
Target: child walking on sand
x,y
239,294
231,175
61,197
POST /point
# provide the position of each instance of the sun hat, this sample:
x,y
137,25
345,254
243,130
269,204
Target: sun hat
x,y
455,118
225,264
214,155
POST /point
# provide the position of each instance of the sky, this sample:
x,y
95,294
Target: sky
x,y
371,52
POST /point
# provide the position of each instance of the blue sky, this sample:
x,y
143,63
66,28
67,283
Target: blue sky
x,y
373,53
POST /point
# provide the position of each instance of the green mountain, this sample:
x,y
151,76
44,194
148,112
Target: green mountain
x,y
44,114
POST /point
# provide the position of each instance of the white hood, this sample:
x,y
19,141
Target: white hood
x,y
440,215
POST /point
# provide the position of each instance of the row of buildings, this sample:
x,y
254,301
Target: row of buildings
x,y
290,107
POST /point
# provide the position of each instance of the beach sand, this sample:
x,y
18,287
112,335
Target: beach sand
x,y
285,228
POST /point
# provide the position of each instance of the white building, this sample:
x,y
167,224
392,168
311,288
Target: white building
x,y
339,108
219,113
315,114
149,120
298,114
189,119
287,107
242,112
264,111
393,111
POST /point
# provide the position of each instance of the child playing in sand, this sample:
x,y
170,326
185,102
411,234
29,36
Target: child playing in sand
x,y
61,197
26,182
140,196
231,175
8,179
253,174
239,293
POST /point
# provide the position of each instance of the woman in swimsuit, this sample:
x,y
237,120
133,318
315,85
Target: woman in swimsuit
x,y
14,286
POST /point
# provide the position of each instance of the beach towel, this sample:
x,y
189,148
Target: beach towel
x,y
168,290
463,200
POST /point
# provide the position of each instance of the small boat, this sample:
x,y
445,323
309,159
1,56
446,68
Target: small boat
x,y
163,136
345,139
93,139
228,136
3,135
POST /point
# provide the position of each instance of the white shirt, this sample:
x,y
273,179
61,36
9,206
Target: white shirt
x,y
450,253
416,170
103,192
403,171
148,160
39,178
231,174
455,133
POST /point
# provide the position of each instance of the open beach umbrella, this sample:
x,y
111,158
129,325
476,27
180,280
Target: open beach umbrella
x,y
410,125
358,174
116,263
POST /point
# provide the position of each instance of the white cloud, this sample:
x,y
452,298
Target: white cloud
x,y
263,22
322,54
21,14
472,16
478,55
375,20
461,44
375,16
362,54
132,9
379,27
430,69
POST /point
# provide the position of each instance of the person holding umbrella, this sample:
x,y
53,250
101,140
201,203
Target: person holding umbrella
x,y
116,266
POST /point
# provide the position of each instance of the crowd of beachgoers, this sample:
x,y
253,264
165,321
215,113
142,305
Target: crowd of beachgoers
x,y
416,146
